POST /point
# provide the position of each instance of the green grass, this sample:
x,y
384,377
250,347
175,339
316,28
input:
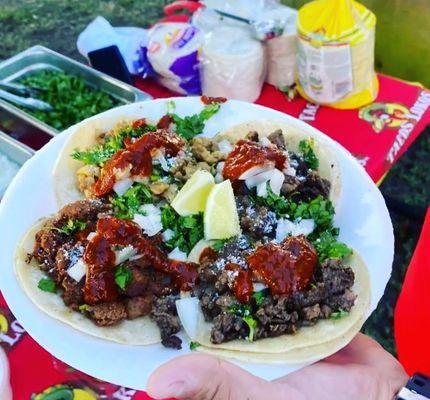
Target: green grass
x,y
56,24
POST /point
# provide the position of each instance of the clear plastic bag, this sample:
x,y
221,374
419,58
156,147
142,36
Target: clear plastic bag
x,y
232,64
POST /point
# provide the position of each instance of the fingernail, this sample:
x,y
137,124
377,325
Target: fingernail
x,y
164,390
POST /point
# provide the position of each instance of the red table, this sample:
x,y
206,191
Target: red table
x,y
377,135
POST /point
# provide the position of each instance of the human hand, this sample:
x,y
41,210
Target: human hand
x,y
363,370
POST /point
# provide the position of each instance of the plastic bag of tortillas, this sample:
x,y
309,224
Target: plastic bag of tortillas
x,y
232,64
268,21
336,40
173,53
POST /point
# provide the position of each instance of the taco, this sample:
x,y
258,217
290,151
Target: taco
x,y
242,223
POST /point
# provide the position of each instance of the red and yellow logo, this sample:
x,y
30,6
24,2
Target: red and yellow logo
x,y
66,392
384,115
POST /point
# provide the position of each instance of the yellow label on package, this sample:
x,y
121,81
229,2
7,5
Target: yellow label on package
x,y
325,72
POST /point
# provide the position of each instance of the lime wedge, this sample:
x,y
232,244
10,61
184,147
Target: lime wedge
x,y
221,220
191,199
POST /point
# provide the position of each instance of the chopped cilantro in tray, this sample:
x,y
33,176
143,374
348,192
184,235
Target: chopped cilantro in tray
x,y
71,97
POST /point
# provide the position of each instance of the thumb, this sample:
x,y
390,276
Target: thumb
x,y
202,377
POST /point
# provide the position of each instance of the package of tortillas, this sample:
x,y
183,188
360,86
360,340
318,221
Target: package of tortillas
x,y
173,52
232,64
336,42
281,50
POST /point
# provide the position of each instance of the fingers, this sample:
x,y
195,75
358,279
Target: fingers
x,y
201,377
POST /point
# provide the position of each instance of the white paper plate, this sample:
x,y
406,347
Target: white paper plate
x,y
363,218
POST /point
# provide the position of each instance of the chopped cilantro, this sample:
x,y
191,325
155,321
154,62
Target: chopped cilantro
x,y
339,314
84,307
71,97
194,345
252,324
187,231
241,310
47,285
259,297
192,125
218,244
122,276
278,204
102,153
327,247
306,147
321,210
129,203
71,226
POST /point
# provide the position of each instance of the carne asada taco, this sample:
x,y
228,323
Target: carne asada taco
x,y
242,223
86,268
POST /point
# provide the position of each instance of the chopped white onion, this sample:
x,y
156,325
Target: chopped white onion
x,y
225,146
276,181
265,141
122,186
124,254
151,221
167,235
286,227
274,176
177,254
91,235
258,286
290,171
256,170
188,312
197,250
262,189
255,180
78,270
159,157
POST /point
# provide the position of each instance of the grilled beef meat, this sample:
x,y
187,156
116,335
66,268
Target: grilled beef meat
x,y
164,314
276,315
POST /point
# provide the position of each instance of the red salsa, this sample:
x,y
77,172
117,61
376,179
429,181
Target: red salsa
x,y
211,100
100,258
286,267
248,154
137,157
243,286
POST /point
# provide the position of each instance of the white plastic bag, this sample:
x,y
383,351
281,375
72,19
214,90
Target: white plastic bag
x,y
173,52
130,41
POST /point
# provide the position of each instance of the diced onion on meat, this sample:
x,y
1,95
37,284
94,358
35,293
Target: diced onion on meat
x,y
262,189
188,312
258,286
78,270
159,157
273,176
197,250
256,170
167,235
124,254
177,254
150,222
225,146
290,171
276,181
122,186
265,141
286,227
91,235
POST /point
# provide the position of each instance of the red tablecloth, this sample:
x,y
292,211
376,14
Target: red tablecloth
x,y
377,135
